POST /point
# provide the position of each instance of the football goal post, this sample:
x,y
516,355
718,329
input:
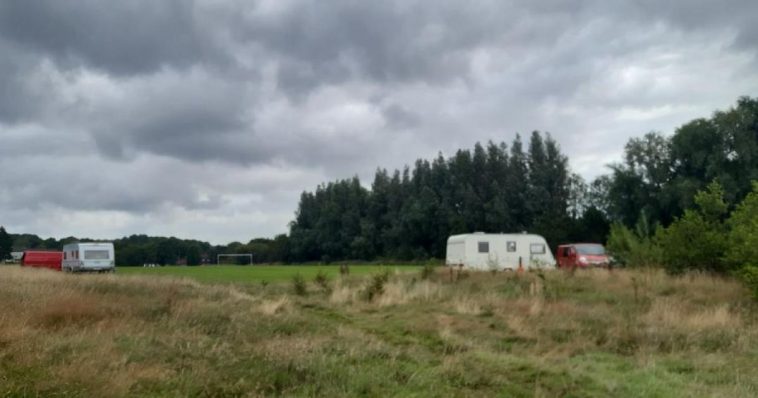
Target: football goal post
x,y
235,259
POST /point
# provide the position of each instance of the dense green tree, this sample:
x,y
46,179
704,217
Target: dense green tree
x,y
696,241
517,184
743,232
6,244
578,196
633,247
638,183
593,226
660,175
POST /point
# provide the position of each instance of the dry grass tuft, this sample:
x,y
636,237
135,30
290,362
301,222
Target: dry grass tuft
x,y
467,306
400,292
77,311
276,306
344,294
672,314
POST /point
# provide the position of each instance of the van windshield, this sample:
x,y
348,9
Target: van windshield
x,y
590,250
96,255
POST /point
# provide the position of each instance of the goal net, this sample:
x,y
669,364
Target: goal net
x,y
235,259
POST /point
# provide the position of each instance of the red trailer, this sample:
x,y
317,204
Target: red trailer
x,y
42,259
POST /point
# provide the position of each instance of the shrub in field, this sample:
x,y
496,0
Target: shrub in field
x,y
427,271
344,270
322,281
743,234
298,285
375,287
697,239
749,275
633,248
743,240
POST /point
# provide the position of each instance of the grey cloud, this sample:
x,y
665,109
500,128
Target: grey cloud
x,y
85,184
732,15
399,117
122,37
193,117
181,106
387,42
22,96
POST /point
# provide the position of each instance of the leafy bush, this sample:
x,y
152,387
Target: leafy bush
x,y
376,286
743,234
633,248
298,285
427,271
749,275
696,241
323,282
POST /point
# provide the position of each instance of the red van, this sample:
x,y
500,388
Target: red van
x,y
42,259
582,255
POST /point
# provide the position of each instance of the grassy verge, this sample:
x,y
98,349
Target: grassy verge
x,y
626,333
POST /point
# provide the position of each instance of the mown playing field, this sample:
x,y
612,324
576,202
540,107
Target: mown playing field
x,y
636,333
259,273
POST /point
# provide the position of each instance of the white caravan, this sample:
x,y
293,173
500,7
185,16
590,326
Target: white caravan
x,y
94,256
482,251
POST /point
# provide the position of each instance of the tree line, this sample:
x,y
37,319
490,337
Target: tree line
x,y
497,187
409,214
136,250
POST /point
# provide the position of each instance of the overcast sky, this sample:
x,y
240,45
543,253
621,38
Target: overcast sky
x,y
206,119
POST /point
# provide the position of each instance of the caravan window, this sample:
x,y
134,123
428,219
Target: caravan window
x,y
537,248
96,254
511,246
484,247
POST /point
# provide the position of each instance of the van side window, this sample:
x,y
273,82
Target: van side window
x,y
566,251
484,247
537,248
511,246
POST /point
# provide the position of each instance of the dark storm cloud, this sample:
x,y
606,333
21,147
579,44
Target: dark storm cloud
x,y
226,108
121,37
399,117
739,16
187,116
21,96
389,42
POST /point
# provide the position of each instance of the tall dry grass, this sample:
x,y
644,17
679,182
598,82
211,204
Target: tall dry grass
x,y
522,334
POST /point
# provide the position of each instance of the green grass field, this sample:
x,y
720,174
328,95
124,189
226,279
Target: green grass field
x,y
259,273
